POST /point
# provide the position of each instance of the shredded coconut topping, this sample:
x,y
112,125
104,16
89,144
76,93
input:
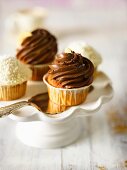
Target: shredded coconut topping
x,y
13,72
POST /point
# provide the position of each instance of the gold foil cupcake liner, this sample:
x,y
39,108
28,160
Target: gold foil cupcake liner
x,y
66,97
95,73
38,71
12,92
54,108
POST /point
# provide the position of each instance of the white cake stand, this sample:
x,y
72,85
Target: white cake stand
x,y
38,129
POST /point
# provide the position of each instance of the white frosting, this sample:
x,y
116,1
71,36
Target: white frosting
x,y
85,50
13,72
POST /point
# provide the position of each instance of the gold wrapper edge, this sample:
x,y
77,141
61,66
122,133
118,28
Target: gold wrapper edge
x,y
12,92
66,97
38,71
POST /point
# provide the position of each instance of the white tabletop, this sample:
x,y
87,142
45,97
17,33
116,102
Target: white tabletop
x,y
99,147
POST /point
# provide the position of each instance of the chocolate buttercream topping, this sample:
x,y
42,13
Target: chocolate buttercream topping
x,y
70,70
39,48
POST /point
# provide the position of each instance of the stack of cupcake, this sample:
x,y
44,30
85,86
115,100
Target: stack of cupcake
x,y
67,75
37,51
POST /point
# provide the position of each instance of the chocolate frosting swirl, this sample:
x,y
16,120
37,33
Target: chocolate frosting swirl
x,y
39,48
70,70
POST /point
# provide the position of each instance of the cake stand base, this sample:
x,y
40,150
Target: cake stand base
x,y
49,135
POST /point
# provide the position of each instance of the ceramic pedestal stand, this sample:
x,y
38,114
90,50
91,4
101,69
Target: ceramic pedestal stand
x,y
41,130
48,135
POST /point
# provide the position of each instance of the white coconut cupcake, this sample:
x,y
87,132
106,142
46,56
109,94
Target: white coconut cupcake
x,y
13,78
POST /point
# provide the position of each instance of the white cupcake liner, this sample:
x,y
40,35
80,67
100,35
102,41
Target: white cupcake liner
x,y
66,97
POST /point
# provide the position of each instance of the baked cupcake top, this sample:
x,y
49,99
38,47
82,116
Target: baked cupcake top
x,y
13,72
70,70
38,48
85,50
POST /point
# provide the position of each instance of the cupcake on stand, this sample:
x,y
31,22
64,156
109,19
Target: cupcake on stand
x,y
13,78
69,78
37,51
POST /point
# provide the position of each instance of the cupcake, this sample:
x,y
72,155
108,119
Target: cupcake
x,y
87,51
13,78
69,78
37,51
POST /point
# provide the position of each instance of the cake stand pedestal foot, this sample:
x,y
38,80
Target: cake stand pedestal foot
x,y
49,135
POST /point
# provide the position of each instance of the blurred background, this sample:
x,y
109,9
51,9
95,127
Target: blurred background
x,y
101,23
68,19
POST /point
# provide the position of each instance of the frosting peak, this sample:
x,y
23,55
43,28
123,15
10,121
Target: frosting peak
x,y
70,70
85,50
